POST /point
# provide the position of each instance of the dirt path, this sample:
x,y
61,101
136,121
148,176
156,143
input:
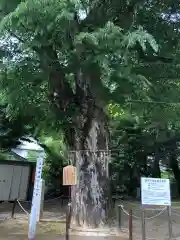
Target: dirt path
x,y
59,238
17,229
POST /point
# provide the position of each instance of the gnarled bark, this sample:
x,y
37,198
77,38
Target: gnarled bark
x,y
89,197
156,172
174,166
86,134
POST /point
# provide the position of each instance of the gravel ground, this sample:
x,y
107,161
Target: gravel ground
x,y
156,227
156,223
17,228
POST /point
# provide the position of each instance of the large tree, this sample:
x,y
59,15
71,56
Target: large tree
x,y
74,57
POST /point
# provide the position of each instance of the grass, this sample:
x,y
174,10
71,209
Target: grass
x,y
20,227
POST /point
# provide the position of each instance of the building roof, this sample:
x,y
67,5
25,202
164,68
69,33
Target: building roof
x,y
12,156
30,144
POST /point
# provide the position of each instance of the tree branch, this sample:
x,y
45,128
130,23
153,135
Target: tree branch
x,y
16,36
61,92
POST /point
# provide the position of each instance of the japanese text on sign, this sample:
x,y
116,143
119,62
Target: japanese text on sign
x,y
35,208
69,175
155,191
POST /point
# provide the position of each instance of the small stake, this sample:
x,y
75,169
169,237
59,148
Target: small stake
x,y
68,221
13,208
119,217
169,222
143,224
130,225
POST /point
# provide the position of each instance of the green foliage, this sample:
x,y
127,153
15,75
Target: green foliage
x,y
3,156
55,159
32,156
12,130
122,55
40,24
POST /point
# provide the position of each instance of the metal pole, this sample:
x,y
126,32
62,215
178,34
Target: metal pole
x,y
130,225
169,222
143,224
13,208
119,217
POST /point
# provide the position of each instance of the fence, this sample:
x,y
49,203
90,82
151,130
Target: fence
x,y
18,213
53,209
149,223
158,221
62,214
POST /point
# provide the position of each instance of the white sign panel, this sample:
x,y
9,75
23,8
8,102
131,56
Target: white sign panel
x,y
32,224
155,191
35,208
39,201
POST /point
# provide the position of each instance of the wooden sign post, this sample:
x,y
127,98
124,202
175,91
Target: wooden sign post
x,y
69,179
69,175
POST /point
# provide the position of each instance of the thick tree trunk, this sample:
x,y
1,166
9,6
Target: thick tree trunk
x,y
89,197
156,173
87,135
175,168
134,180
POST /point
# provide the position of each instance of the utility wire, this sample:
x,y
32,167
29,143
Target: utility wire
x,y
153,102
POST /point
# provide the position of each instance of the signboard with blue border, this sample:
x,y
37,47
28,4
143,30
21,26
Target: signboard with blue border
x,y
155,191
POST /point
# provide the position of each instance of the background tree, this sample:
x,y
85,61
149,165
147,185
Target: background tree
x,y
81,61
64,62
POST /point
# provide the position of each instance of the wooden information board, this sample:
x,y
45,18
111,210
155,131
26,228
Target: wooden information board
x,y
69,175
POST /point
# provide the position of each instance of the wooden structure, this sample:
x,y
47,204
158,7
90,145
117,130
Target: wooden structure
x,y
15,179
69,175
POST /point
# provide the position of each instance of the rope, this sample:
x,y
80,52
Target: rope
x,y
137,206
24,210
134,204
24,201
49,200
22,207
156,214
128,213
149,209
45,201
149,218
63,216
